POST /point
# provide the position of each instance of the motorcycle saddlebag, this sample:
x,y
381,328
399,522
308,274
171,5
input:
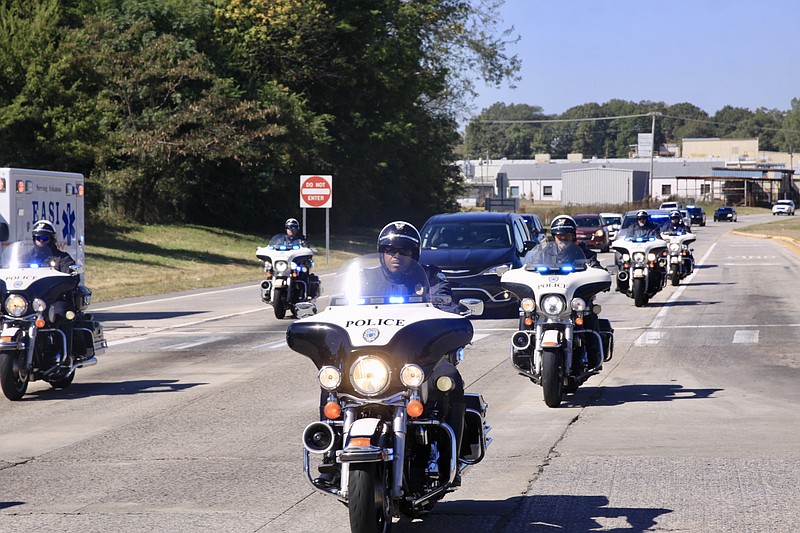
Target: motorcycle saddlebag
x,y
473,442
314,286
607,334
88,339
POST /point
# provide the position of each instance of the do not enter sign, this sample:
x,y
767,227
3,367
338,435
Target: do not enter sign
x,y
316,191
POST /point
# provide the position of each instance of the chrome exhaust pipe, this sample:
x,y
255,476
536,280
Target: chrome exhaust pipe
x,y
318,437
88,362
622,275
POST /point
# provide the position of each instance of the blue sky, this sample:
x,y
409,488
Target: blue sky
x,y
710,53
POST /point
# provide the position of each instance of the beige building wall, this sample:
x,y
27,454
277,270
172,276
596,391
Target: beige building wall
x,y
724,148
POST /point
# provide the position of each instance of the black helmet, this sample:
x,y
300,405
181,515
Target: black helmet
x,y
563,224
42,228
675,214
292,223
643,214
400,234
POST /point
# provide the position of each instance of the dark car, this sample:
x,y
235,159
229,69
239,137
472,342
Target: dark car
x,y
474,250
658,217
725,213
535,227
592,231
697,215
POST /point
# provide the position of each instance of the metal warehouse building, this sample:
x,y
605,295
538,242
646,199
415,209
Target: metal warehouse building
x,y
603,186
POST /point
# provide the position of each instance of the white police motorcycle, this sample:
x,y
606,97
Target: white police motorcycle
x,y
561,341
642,267
289,283
38,301
680,260
378,348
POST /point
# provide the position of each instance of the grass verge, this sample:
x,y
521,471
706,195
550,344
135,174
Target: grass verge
x,y
129,261
785,226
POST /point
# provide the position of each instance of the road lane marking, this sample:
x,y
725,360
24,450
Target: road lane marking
x,y
271,345
249,288
753,264
187,345
648,338
745,336
479,336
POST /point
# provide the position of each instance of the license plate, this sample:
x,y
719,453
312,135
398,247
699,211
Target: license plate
x,y
280,282
638,273
674,260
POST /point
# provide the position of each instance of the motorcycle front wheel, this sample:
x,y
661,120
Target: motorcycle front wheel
x,y
639,297
369,500
279,304
676,278
13,380
552,377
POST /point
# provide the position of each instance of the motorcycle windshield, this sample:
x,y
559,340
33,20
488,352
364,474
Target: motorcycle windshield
x,y
27,255
553,258
281,241
378,279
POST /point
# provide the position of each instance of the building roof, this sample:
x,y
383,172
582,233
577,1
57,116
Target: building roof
x,y
662,168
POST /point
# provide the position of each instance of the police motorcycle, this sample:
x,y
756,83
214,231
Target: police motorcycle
x,y
38,301
680,260
384,429
561,341
642,267
289,283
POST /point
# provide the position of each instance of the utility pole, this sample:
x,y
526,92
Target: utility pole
x,y
653,114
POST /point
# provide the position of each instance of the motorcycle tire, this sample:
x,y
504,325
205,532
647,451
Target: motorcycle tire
x,y
552,377
62,383
369,501
279,306
639,296
13,384
675,278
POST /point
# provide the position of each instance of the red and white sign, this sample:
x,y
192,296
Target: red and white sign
x,y
316,191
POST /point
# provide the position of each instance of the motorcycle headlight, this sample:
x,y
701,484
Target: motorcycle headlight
x,y
329,377
16,305
651,256
674,247
626,257
638,257
280,266
370,375
412,376
39,305
553,304
528,305
578,304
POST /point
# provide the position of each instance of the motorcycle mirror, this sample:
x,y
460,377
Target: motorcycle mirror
x,y
305,309
76,269
474,306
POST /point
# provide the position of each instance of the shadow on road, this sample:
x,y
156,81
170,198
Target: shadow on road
x,y
122,388
544,513
607,396
6,505
145,315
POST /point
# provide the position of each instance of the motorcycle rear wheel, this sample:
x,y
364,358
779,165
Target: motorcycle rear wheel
x,y
62,383
369,500
13,382
552,377
639,297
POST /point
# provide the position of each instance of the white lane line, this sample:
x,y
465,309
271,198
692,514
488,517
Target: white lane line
x,y
754,264
271,345
249,288
144,335
479,336
187,345
745,336
715,326
495,329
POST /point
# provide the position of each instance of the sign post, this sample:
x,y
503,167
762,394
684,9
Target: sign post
x,y
317,192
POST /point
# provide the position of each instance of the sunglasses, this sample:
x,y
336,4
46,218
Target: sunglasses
x,y
391,250
42,238
295,228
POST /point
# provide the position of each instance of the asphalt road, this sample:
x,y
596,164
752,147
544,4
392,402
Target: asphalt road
x,y
191,421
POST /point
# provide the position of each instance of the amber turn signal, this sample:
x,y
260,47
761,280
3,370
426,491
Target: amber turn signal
x,y
40,322
414,408
528,321
360,441
333,410
579,321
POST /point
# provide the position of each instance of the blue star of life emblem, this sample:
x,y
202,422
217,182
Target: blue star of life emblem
x,y
68,231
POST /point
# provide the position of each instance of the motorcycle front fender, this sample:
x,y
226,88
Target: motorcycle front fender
x,y
11,338
552,338
373,431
